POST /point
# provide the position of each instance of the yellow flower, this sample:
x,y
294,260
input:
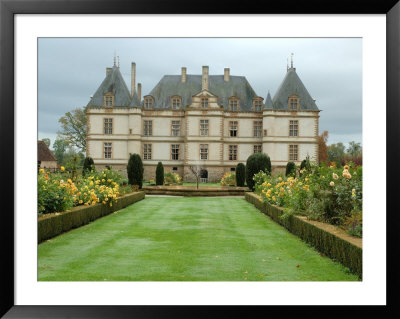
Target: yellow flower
x,y
109,180
332,184
110,204
274,198
62,168
346,167
335,176
103,180
41,170
91,183
80,201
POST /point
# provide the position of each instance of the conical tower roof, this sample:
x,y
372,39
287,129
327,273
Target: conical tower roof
x,y
292,85
268,102
115,84
135,101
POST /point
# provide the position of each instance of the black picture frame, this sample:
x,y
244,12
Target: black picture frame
x,y
8,10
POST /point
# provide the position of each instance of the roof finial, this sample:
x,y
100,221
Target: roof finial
x,y
118,61
287,64
114,58
291,60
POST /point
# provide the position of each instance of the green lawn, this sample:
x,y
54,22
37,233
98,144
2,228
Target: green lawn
x,y
184,239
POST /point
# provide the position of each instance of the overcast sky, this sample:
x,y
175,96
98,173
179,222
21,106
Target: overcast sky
x,y
71,70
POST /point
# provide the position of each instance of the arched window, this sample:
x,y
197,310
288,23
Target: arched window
x,y
234,104
294,102
148,102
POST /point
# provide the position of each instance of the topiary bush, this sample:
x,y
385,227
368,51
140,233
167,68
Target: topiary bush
x,y
240,174
290,169
255,163
88,166
305,164
135,170
160,174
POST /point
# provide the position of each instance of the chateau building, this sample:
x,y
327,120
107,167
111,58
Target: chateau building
x,y
208,121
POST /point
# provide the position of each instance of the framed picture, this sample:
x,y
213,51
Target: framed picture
x,y
24,24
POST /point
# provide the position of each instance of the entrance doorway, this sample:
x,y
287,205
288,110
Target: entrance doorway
x,y
203,176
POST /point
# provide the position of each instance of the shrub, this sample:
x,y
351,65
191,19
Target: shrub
x,y
256,163
290,169
88,165
305,164
229,179
135,170
240,174
172,178
160,174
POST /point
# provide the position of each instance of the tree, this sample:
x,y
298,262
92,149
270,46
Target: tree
x,y
46,141
322,147
291,169
336,153
256,163
73,126
160,174
59,146
354,150
135,170
240,174
196,172
88,165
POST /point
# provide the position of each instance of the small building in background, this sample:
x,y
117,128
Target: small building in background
x,y
46,158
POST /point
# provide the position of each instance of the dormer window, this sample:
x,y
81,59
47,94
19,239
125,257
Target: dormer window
x,y
108,100
176,103
148,102
204,102
294,102
234,104
257,105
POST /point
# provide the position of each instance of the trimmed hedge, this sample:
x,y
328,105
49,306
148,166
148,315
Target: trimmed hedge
x,y
160,174
52,225
240,174
135,170
325,242
254,164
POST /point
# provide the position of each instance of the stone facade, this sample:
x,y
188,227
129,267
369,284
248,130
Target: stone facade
x,y
199,128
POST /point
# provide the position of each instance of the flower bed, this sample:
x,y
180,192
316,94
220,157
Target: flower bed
x,y
328,239
50,225
229,179
328,194
58,192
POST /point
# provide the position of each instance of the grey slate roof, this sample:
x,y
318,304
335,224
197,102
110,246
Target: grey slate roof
x,y
292,85
114,83
135,100
268,102
171,85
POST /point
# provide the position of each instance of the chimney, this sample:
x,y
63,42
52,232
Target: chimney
x,y
139,91
226,74
204,78
108,70
183,75
133,78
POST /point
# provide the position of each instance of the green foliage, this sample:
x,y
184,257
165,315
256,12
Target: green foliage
x,y
160,174
240,174
135,170
88,165
229,179
336,153
290,169
46,141
256,163
305,165
172,178
59,146
73,126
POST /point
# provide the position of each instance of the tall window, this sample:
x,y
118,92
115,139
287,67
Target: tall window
x,y
148,128
203,151
293,128
233,128
204,102
293,103
107,150
203,127
148,102
257,148
257,104
147,151
257,125
108,126
293,152
234,104
175,151
176,128
233,152
108,100
176,103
